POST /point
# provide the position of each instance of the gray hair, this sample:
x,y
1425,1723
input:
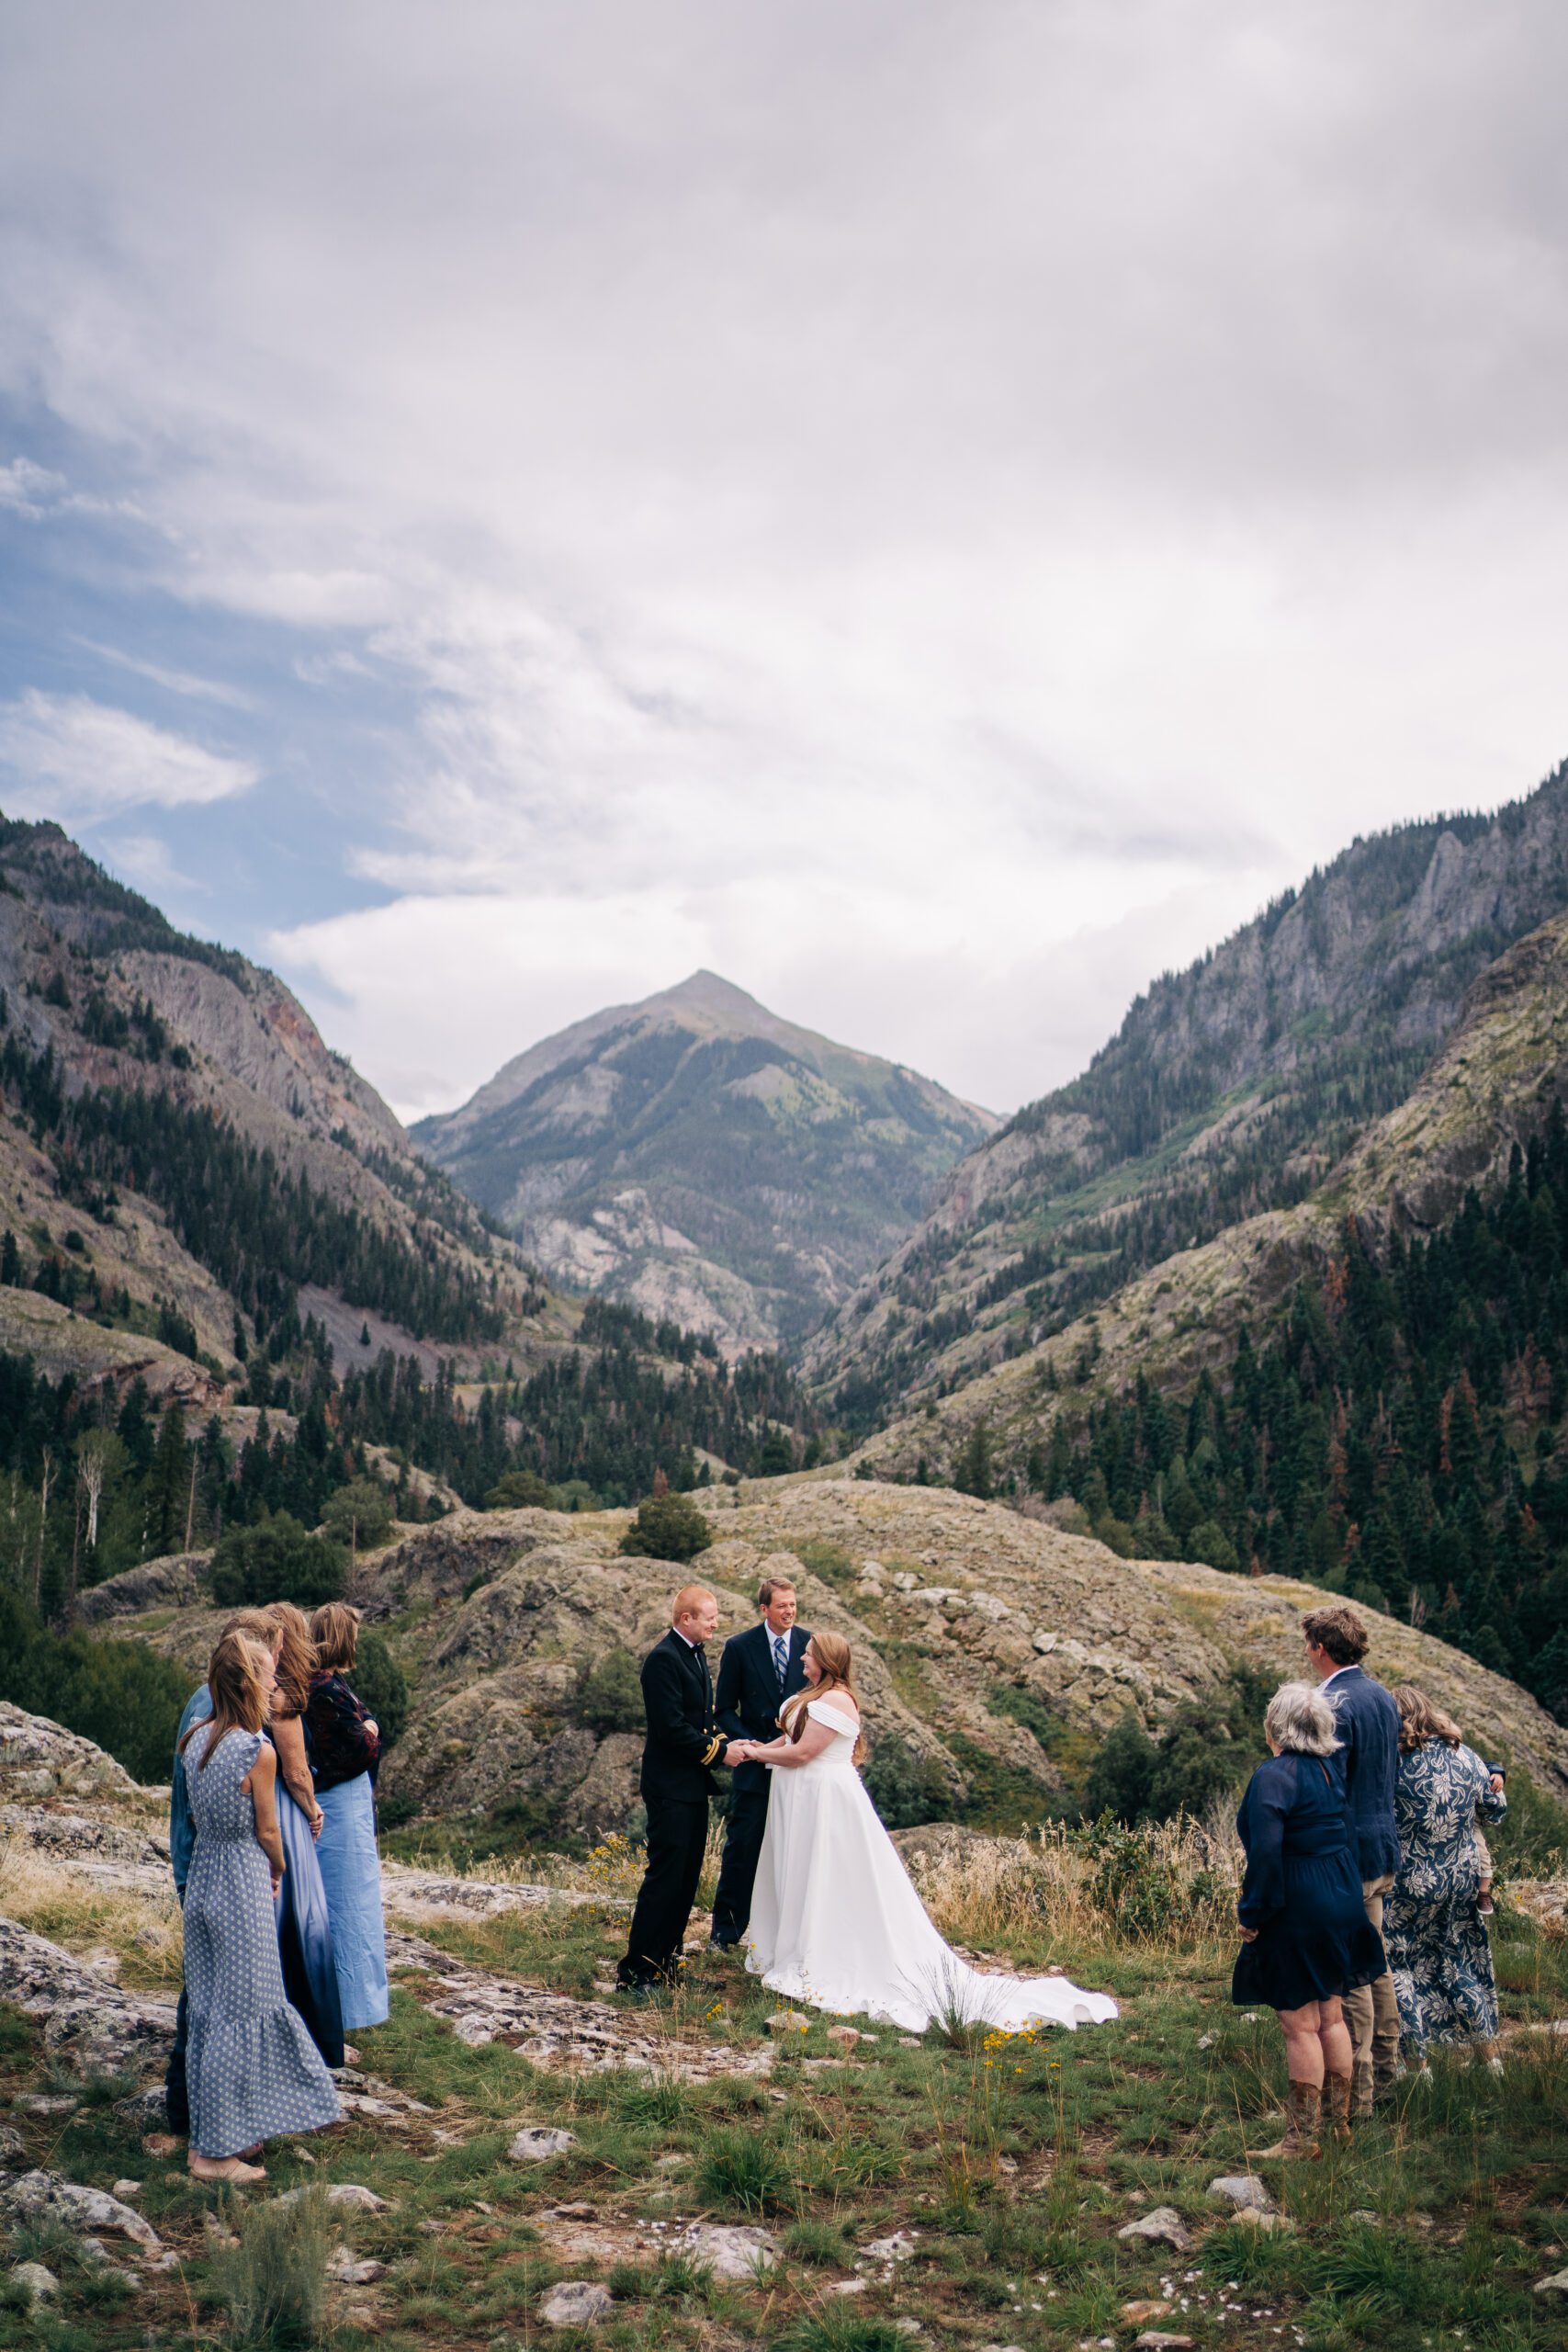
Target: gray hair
x,y
1299,1719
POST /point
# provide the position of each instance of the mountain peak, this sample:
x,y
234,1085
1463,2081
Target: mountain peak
x,y
699,1157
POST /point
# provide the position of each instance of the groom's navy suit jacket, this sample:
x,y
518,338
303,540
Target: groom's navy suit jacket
x,y
746,1702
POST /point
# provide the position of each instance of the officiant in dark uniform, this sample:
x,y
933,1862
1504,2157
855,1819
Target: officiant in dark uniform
x,y
759,1670
683,1744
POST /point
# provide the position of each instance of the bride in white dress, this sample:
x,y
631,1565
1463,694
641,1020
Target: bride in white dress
x,y
835,1919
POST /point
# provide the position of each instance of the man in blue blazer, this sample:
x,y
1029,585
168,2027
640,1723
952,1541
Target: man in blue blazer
x,y
1368,1718
759,1670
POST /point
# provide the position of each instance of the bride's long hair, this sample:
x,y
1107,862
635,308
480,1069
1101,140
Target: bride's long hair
x,y
838,1673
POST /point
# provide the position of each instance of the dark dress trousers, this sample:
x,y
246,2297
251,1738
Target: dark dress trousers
x,y
684,1743
1368,1723
749,1697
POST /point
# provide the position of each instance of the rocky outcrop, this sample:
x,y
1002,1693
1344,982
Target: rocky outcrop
x,y
976,1631
89,2022
40,1760
177,1582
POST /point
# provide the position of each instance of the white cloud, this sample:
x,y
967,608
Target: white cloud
x,y
145,861
184,682
933,511
26,489
68,757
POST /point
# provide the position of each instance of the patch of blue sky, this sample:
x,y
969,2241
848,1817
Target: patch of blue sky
x,y
90,610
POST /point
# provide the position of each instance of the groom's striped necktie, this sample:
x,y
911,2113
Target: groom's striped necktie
x,y
780,1657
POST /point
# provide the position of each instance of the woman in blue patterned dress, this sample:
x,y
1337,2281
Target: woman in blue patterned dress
x,y
251,2068
1437,1947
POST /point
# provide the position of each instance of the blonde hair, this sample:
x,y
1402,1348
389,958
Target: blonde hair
x,y
833,1652
1421,1719
1300,1721
236,1676
690,1598
334,1629
296,1657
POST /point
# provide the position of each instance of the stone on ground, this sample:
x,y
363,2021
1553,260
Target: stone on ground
x,y
346,2269
785,2022
534,2143
896,2248
1164,2226
342,2192
1241,2188
45,2196
1151,2340
1556,2285
844,2037
730,2249
37,2283
1138,2314
576,2302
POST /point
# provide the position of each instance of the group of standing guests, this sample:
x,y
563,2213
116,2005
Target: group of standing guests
x,y
272,1836
1362,1911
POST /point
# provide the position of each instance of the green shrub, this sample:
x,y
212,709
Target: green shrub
x,y
276,1559
380,1683
1209,1543
668,1527
521,1490
744,2170
120,1695
360,1515
906,1789
608,1696
1532,1837
1208,1747
275,2282
1022,1705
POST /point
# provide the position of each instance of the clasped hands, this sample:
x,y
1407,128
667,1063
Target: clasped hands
x,y
744,1751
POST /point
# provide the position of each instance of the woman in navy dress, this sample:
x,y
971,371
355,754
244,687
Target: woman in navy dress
x,y
1306,1939
304,1929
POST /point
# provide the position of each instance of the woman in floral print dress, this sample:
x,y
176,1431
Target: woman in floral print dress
x,y
1435,1935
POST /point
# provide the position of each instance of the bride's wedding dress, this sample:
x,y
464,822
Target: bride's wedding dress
x,y
836,1921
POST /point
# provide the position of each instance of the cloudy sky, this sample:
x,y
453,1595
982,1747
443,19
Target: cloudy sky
x,y
934,509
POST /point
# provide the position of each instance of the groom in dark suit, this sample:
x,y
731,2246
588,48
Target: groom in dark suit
x,y
759,1669
682,1746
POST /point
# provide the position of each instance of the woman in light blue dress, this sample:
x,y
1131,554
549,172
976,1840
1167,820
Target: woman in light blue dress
x,y
304,1925
252,2069
345,1754
1432,1924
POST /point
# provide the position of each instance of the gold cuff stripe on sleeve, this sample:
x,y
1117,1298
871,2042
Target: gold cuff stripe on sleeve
x,y
711,1750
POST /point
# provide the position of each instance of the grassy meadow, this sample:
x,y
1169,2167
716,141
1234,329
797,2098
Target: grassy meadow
x,y
1004,2168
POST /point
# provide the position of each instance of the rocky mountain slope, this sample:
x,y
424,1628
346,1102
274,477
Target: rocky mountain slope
x,y
1484,1094
704,1160
995,1650
1231,1088
126,1046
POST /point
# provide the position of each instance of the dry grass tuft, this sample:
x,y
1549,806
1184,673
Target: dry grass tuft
x,y
75,1911
1175,1885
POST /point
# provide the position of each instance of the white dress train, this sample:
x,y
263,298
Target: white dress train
x,y
836,1921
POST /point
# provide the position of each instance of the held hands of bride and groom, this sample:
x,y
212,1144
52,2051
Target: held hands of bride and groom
x,y
814,1736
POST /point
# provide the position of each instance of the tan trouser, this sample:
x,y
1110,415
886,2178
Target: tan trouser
x,y
1371,2010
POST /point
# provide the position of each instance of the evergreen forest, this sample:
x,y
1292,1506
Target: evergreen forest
x,y
1401,1436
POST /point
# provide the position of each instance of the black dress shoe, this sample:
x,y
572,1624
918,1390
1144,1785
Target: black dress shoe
x,y
724,1943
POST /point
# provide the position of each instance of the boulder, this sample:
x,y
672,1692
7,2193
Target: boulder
x,y
1164,2226
1241,2188
575,2302
1556,2285
536,2145
92,2024
730,2249
346,2269
45,2196
36,2283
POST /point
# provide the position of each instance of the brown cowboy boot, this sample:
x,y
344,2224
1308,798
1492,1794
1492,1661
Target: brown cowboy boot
x,y
1303,2103
1363,2086
1337,2108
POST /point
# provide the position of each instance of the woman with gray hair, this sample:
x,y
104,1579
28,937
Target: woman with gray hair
x,y
1305,1936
